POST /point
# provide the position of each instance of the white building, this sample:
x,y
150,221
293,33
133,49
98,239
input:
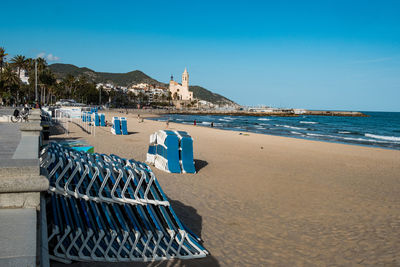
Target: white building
x,y
181,91
140,86
23,76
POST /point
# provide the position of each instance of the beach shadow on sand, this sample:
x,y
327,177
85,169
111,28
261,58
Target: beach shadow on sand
x,y
190,218
200,164
61,139
56,129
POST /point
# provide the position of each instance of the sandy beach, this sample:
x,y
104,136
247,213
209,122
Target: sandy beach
x,y
261,200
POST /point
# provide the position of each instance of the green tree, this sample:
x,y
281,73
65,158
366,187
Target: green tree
x,y
69,83
3,55
48,81
10,79
19,62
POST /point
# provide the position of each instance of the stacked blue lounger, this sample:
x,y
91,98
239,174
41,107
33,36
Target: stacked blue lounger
x,y
186,152
171,151
124,126
120,126
116,126
106,208
102,119
96,119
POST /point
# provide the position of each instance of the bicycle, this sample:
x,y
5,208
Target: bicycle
x,y
20,116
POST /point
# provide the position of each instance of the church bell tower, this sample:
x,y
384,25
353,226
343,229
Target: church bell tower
x,y
185,79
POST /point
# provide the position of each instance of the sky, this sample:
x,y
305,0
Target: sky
x,y
338,55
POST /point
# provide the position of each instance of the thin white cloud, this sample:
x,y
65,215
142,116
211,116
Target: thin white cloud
x,y
49,57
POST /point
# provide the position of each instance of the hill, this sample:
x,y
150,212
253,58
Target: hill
x,y
133,77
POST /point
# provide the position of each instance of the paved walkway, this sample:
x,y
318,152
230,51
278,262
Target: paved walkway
x,y
17,237
9,139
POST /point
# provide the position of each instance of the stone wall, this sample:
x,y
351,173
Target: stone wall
x,y
21,185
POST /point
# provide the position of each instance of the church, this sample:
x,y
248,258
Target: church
x,y
181,91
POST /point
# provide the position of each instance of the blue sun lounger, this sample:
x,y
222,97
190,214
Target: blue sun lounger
x,y
116,126
106,208
124,126
102,119
152,151
171,151
96,119
167,152
186,152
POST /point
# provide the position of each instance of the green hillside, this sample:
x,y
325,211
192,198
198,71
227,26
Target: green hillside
x,y
133,77
204,94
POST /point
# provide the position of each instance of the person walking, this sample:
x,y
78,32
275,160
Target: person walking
x,y
194,123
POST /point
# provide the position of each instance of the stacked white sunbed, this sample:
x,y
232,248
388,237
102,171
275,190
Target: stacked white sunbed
x,y
171,151
119,126
106,208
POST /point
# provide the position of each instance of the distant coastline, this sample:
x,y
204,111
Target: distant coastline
x,y
286,113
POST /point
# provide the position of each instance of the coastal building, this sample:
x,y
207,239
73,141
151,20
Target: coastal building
x,y
181,91
24,76
106,86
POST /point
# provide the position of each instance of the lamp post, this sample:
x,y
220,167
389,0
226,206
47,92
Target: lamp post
x,y
36,93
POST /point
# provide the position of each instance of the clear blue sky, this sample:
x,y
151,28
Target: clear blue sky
x,y
304,54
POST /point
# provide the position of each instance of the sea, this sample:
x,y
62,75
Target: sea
x,y
379,129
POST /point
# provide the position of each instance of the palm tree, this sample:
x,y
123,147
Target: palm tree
x,y
48,80
10,78
20,62
69,83
3,55
41,64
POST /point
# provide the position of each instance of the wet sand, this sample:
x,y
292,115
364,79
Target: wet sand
x,y
261,200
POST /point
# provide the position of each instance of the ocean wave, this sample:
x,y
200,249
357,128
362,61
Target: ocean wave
x,y
323,135
347,138
309,122
206,122
364,140
344,132
225,120
263,119
384,137
293,132
290,127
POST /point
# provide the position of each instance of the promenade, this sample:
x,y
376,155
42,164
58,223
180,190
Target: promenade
x,y
9,139
20,187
